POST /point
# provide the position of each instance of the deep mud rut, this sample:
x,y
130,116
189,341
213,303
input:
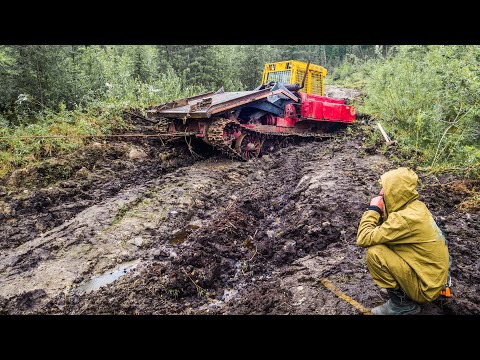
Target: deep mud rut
x,y
165,234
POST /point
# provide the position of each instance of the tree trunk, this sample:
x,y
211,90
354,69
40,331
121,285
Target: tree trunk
x,y
39,77
324,56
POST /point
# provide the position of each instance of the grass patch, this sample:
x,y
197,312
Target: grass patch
x,y
23,145
51,133
129,208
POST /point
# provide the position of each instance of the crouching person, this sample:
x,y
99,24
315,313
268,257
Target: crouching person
x,y
407,253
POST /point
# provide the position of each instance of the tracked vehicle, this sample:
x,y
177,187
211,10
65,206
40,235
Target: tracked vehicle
x,y
290,103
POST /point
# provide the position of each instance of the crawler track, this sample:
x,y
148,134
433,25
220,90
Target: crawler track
x,y
220,132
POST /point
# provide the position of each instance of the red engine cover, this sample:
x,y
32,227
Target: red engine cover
x,y
322,108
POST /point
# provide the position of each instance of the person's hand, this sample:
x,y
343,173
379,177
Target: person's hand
x,y
378,201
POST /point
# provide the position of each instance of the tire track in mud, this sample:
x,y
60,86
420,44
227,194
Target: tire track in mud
x,y
113,231
310,229
276,210
38,206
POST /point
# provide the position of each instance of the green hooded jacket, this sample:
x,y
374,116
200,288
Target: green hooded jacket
x,y
409,230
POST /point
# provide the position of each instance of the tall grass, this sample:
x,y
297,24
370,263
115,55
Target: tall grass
x,y
98,117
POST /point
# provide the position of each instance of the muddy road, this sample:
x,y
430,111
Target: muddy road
x,y
145,228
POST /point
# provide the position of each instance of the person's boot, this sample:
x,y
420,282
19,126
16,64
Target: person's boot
x,y
398,304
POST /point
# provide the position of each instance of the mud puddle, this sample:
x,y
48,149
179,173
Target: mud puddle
x,y
107,277
181,236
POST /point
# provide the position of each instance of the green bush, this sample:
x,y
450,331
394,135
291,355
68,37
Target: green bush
x,y
428,97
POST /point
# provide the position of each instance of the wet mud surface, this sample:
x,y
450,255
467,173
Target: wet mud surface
x,y
159,232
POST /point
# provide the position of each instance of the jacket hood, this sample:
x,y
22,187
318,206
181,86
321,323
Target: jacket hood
x,y
399,188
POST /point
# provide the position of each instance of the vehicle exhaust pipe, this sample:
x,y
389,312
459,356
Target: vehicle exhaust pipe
x,y
305,76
